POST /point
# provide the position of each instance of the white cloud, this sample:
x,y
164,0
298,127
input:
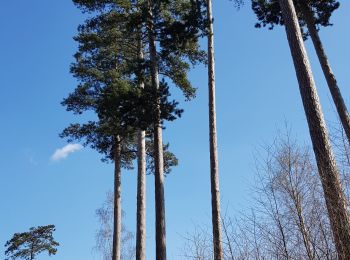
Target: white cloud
x,y
63,152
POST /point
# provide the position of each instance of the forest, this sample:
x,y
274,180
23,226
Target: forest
x,y
172,146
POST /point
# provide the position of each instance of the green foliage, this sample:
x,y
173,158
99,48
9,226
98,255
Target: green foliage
x,y
269,13
177,28
109,69
27,245
169,158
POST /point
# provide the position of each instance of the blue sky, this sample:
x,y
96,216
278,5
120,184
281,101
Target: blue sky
x,y
256,93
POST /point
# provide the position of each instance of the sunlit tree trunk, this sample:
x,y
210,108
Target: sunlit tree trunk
x,y
333,192
158,146
117,215
214,168
141,182
327,70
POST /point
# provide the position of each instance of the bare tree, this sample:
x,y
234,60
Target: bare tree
x,y
198,244
342,153
288,219
104,236
288,178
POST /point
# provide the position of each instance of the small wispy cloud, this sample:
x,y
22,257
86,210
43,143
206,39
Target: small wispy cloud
x,y
63,152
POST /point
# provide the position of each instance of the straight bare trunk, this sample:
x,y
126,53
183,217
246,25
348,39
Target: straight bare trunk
x,y
333,192
327,70
158,147
141,183
214,168
141,198
117,212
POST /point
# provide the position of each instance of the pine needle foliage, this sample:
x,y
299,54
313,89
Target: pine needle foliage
x,y
269,13
27,245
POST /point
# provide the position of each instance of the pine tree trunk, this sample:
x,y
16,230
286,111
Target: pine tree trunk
x,y
327,70
141,198
117,215
333,192
158,148
141,185
214,171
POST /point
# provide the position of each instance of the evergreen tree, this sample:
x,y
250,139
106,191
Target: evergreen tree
x,y
171,24
111,136
328,171
109,58
141,176
27,245
312,15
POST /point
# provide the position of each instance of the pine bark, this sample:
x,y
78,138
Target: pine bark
x,y
214,168
141,199
141,187
158,147
333,191
326,68
117,212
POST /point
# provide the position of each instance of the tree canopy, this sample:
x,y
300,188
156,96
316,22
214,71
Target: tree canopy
x,y
27,245
269,13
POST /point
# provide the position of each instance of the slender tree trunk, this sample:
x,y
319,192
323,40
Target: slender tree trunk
x,y
141,184
141,198
214,168
277,217
117,215
327,70
302,227
294,194
333,191
158,147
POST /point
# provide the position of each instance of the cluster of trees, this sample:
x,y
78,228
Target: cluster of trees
x,y
130,51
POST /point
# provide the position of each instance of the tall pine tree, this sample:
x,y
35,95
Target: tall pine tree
x,y
328,171
214,163
121,24
312,15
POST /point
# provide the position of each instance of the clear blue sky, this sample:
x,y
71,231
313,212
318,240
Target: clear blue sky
x,y
256,93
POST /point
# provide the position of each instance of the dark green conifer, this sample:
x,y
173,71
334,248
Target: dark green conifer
x,y
27,245
110,70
